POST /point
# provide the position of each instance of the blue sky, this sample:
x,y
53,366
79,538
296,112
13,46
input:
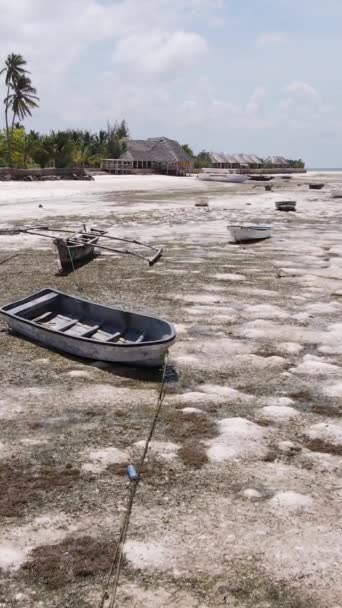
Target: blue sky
x,y
259,76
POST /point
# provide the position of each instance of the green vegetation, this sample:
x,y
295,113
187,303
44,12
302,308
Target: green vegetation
x,y
20,99
62,148
297,164
19,148
201,160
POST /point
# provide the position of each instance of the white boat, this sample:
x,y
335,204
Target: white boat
x,y
72,325
250,232
227,176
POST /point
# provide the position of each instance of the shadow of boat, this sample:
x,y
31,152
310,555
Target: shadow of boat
x,y
142,374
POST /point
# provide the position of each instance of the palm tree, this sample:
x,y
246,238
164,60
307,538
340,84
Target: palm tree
x,y
22,100
13,70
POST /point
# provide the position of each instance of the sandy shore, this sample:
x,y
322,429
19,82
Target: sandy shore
x,y
240,500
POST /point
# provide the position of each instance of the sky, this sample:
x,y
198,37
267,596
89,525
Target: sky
x,y
258,76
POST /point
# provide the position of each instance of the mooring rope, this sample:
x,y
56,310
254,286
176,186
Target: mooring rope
x,y
117,558
73,269
9,258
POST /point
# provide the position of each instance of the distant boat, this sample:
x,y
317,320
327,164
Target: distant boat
x,y
316,186
227,176
286,205
261,178
72,325
250,232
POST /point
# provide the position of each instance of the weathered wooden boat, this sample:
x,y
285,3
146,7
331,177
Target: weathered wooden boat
x,y
230,176
77,249
261,178
286,205
80,246
316,186
79,327
250,232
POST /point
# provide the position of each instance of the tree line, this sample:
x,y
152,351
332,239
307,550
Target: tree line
x,y
68,148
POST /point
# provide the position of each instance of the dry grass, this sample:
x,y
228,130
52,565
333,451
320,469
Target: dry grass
x,y
21,488
70,561
327,410
183,427
319,445
193,454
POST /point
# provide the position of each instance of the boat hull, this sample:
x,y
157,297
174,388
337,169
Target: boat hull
x,y
92,319
286,206
250,233
71,256
149,356
229,179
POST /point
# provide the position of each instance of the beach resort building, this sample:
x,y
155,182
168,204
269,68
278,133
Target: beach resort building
x,y
153,155
246,161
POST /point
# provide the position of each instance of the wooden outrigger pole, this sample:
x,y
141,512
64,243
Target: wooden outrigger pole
x,y
90,238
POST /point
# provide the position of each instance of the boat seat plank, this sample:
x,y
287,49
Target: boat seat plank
x,y
101,335
44,317
114,337
79,330
90,332
67,326
58,321
32,304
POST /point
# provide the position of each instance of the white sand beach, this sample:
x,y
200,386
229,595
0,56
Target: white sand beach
x,y
240,500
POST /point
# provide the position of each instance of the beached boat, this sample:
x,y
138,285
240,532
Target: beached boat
x,y
261,178
250,232
228,175
286,205
72,325
316,186
77,249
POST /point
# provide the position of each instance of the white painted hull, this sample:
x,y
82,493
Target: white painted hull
x,y
230,179
72,325
250,233
146,356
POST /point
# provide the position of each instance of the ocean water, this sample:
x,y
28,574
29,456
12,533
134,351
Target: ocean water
x,y
324,169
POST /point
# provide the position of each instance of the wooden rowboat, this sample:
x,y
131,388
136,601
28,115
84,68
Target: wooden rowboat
x,y
251,232
72,325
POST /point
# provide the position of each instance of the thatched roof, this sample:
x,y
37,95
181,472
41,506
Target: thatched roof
x,y
216,157
276,160
157,149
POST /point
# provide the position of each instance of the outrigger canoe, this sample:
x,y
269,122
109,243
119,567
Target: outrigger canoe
x,y
92,331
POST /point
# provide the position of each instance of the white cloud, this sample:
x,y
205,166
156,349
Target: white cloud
x,y
272,39
157,52
162,65
302,91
